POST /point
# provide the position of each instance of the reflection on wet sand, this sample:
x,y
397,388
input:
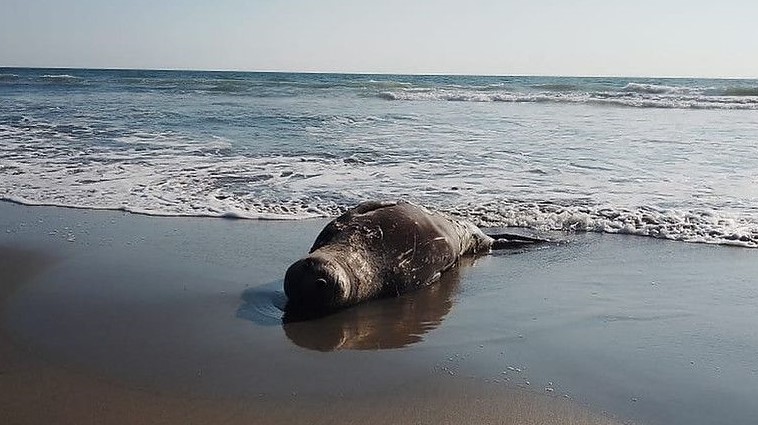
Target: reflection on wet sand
x,y
376,325
18,266
381,324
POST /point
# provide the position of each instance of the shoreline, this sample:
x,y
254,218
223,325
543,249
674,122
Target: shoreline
x,y
122,318
738,236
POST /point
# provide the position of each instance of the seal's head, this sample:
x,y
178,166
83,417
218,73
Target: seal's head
x,y
317,282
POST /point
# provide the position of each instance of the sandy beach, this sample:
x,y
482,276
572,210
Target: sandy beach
x,y
114,318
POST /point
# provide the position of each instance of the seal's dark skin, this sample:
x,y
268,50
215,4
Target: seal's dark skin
x,y
379,249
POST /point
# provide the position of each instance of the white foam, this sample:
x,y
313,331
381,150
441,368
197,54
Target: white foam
x,y
681,225
186,178
60,77
459,165
157,174
639,96
659,89
164,174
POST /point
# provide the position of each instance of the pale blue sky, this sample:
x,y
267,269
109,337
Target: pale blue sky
x,y
505,37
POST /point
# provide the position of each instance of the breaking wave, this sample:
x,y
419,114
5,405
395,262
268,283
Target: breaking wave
x,y
641,96
170,175
699,226
657,89
61,78
154,143
556,87
741,91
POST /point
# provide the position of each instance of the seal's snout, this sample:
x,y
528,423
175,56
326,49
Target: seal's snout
x,y
316,283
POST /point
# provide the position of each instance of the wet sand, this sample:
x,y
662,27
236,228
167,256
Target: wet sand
x,y
110,317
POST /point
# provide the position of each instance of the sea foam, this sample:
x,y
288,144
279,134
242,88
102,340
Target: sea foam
x,y
639,96
636,95
659,89
699,226
165,174
539,152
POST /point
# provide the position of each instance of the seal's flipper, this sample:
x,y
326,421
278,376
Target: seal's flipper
x,y
513,241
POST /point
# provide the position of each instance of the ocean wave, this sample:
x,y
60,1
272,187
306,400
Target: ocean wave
x,y
385,84
168,83
741,91
658,89
728,90
692,226
696,226
59,77
229,86
452,95
628,99
556,87
166,175
9,77
166,143
169,174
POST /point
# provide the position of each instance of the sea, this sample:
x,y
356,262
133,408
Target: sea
x,y
672,158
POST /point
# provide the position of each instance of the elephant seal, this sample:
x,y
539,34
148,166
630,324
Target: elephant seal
x,y
382,324
380,249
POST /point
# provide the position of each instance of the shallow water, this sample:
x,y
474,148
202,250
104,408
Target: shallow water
x,y
668,158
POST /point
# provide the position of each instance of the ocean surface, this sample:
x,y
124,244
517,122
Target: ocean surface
x,y
666,158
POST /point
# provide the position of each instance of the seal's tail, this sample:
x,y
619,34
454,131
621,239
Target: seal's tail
x,y
513,241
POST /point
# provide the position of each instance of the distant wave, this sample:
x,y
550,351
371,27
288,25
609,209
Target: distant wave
x,y
229,86
256,87
741,91
556,87
61,79
650,93
658,89
384,84
643,96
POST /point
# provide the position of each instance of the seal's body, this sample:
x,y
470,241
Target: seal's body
x,y
380,249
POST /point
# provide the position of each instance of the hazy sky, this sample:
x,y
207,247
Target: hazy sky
x,y
503,37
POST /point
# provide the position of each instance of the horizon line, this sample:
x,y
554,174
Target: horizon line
x,y
417,74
